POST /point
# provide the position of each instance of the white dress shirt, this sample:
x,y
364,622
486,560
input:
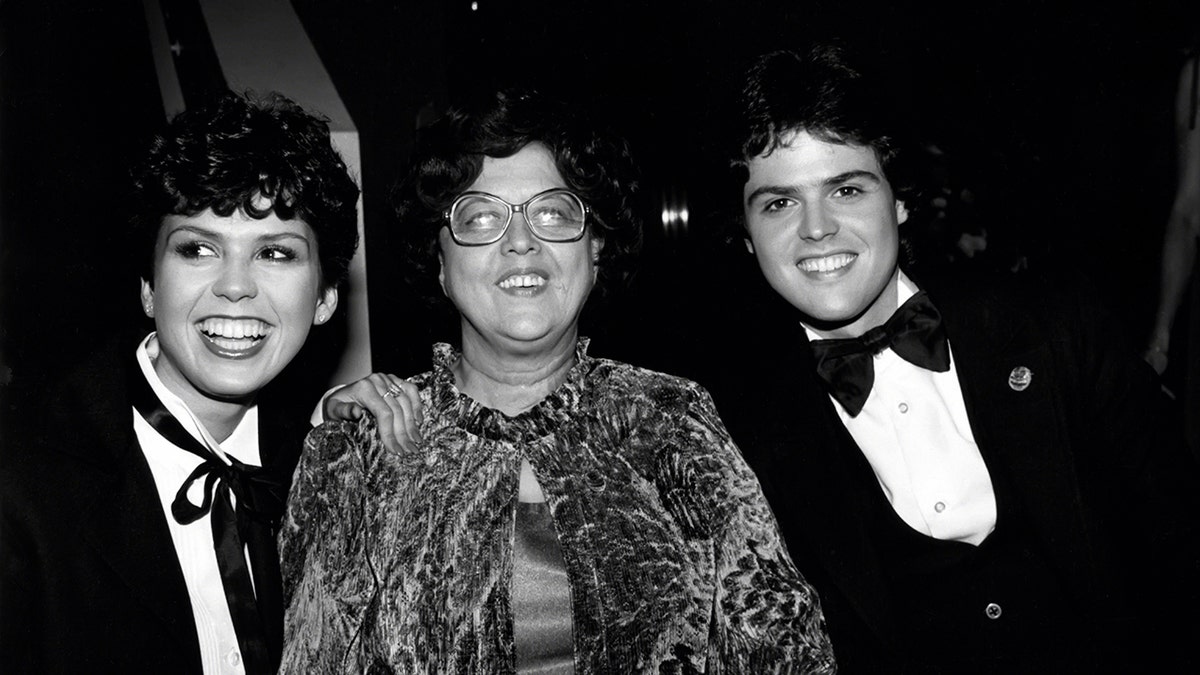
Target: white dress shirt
x,y
170,466
913,430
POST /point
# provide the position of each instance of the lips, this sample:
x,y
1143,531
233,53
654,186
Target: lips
x,y
528,280
826,264
234,337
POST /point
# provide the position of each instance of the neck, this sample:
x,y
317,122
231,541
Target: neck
x,y
219,418
513,380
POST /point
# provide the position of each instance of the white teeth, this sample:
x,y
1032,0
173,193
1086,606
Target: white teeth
x,y
232,345
234,329
523,281
826,264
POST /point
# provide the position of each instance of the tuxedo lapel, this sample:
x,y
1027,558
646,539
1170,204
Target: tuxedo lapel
x,y
1017,420
812,471
124,522
835,500
127,528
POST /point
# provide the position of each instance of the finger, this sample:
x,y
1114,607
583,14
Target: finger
x,y
414,397
385,423
409,402
343,410
404,423
357,393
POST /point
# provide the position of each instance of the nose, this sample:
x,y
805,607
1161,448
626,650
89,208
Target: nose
x,y
519,238
816,223
236,281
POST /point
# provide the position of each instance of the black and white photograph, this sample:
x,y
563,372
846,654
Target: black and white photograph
x,y
569,336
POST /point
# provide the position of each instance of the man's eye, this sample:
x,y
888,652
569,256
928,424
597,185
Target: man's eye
x,y
277,254
194,249
847,191
777,205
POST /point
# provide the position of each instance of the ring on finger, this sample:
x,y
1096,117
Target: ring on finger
x,y
393,390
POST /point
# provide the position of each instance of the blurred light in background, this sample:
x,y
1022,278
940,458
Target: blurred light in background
x,y
674,214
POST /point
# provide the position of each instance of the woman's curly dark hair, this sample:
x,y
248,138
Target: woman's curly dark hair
x,y
449,157
235,153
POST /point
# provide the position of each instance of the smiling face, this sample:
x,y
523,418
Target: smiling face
x,y
824,227
233,300
519,294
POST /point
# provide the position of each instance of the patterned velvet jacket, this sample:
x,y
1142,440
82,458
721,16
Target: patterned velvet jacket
x,y
403,563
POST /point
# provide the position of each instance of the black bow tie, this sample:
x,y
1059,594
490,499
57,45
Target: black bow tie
x,y
914,332
254,605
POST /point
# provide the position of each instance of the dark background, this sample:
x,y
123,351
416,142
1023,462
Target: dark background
x,y
1055,120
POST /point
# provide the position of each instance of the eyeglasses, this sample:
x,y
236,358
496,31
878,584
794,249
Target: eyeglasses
x,y
478,218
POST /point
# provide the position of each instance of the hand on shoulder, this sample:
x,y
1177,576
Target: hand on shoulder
x,y
394,402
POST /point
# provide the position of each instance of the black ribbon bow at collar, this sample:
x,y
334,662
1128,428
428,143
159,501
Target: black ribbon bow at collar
x,y
254,605
914,332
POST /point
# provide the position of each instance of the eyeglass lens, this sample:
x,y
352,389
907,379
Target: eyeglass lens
x,y
556,216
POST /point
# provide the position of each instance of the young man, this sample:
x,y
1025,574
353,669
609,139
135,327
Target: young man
x,y
975,479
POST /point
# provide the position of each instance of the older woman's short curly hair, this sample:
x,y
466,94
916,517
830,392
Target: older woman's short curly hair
x,y
449,157
254,156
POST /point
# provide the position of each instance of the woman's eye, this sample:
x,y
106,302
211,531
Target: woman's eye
x,y
549,217
194,250
488,220
278,254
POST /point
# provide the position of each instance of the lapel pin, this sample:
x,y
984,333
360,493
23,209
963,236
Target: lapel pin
x,y
1019,378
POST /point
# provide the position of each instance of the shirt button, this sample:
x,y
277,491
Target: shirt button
x,y
903,408
993,611
939,507
234,657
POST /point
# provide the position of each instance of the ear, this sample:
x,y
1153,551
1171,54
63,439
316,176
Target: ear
x,y
596,244
901,212
442,273
749,245
327,302
147,296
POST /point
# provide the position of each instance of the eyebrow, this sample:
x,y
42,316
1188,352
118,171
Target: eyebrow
x,y
794,190
213,234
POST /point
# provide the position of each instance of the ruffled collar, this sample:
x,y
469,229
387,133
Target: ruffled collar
x,y
473,417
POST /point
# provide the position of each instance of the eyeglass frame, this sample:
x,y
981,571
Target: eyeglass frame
x,y
448,215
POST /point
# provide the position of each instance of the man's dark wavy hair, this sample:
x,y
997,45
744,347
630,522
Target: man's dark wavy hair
x,y
819,91
237,153
449,154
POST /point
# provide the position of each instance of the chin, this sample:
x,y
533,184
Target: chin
x,y
527,338
528,331
233,386
232,392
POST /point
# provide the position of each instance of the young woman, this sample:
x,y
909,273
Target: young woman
x,y
139,518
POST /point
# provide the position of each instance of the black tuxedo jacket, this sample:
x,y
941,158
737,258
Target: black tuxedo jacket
x,y
90,582
1087,446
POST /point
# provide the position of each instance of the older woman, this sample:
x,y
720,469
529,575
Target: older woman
x,y
564,513
139,516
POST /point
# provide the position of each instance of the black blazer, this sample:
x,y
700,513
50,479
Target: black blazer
x,y
90,581
1088,447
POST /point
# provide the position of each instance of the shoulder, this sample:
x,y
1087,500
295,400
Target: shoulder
x,y
338,453
85,406
66,433
335,441
1057,304
642,386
